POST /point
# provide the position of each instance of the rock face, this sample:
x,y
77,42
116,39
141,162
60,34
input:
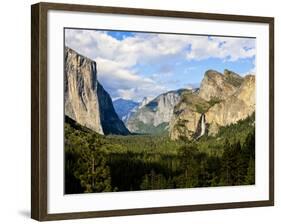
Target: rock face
x,y
233,78
155,113
145,101
111,124
85,100
186,117
219,86
238,106
80,91
223,99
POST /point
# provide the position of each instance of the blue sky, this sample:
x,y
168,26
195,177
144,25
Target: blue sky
x,y
120,35
133,65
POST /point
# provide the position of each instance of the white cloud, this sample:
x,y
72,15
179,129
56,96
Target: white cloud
x,y
117,59
127,52
139,92
229,48
125,83
127,94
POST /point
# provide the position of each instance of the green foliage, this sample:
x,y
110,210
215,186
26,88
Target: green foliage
x,y
232,167
86,167
194,102
214,145
203,108
149,144
250,178
153,181
151,129
200,109
239,130
96,163
214,101
237,162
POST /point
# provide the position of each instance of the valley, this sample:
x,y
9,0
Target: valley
x,y
97,163
182,138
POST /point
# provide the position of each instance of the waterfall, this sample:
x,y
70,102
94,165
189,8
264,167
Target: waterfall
x,y
201,126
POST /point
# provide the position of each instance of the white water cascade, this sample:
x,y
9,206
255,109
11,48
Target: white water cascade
x,y
202,126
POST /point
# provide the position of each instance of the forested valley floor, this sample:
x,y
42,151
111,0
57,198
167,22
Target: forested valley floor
x,y
97,163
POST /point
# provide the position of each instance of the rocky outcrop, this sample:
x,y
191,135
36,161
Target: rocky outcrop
x,y
223,99
154,113
238,106
218,86
85,100
186,117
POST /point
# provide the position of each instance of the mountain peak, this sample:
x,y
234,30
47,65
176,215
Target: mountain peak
x,y
219,86
145,101
212,71
228,72
213,74
69,50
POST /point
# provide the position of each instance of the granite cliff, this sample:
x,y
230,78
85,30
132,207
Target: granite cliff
x,y
219,86
154,115
86,101
223,99
236,107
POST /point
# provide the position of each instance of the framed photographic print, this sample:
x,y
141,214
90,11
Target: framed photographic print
x,y
138,111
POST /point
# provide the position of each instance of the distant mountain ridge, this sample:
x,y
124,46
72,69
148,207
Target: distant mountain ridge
x,y
124,107
86,101
154,115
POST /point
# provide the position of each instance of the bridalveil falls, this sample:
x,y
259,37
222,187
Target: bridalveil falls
x,y
201,128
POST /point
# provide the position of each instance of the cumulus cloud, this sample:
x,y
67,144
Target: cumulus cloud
x,y
129,51
124,82
229,48
117,59
138,93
